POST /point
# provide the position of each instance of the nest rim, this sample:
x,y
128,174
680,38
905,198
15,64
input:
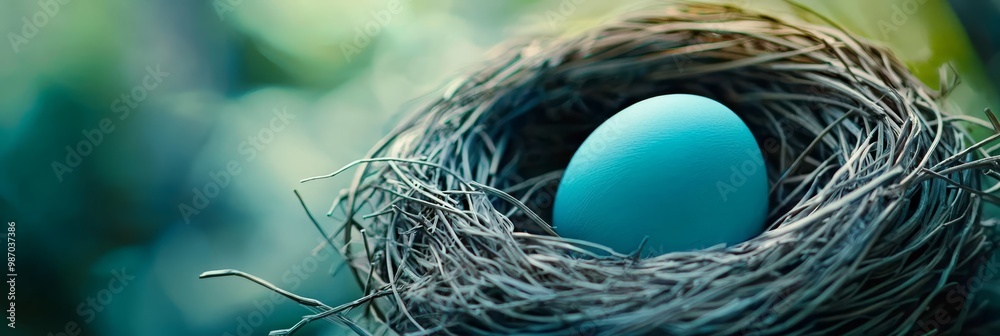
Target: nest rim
x,y
445,188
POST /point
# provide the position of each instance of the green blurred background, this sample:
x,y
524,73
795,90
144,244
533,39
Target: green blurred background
x,y
336,70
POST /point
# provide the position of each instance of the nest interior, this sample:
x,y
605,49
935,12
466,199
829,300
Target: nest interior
x,y
875,191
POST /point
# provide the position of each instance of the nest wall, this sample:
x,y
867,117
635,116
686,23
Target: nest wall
x,y
875,195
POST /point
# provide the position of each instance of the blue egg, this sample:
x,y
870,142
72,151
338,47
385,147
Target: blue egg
x,y
682,169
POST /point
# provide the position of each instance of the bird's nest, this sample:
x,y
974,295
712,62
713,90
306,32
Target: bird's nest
x,y
875,196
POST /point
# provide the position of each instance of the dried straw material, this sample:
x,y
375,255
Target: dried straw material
x,y
875,198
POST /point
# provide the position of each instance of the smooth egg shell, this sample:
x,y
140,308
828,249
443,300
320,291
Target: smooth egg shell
x,y
682,169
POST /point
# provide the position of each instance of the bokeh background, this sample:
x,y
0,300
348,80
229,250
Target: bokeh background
x,y
204,82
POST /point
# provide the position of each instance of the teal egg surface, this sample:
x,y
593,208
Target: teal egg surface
x,y
682,169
